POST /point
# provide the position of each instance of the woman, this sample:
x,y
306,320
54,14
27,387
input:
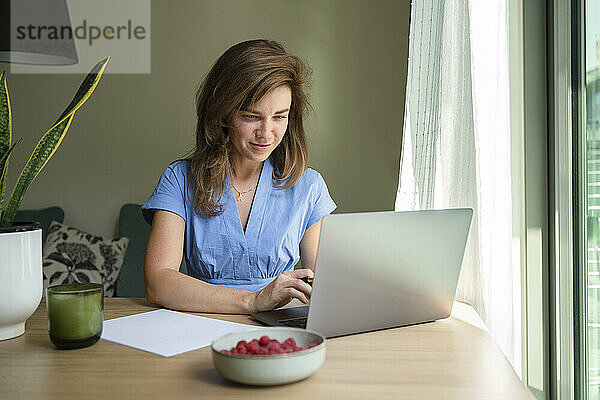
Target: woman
x,y
245,202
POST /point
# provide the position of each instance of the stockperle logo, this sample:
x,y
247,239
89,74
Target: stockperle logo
x,y
86,31
69,36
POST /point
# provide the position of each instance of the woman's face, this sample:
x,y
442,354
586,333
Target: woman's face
x,y
255,133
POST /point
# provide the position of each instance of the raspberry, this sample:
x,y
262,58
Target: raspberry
x,y
262,351
290,342
241,346
225,351
253,346
264,340
312,345
288,349
274,347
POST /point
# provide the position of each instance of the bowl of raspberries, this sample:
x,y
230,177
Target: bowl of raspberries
x,y
269,356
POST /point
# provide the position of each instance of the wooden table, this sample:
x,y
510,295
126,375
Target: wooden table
x,y
447,359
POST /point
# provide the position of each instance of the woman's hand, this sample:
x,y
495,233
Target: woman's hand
x,y
286,287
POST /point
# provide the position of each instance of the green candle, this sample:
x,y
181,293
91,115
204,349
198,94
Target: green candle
x,y
75,314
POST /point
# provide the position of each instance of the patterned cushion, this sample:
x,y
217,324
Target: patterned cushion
x,y
71,255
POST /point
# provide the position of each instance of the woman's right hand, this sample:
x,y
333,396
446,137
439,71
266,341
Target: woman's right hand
x,y
286,287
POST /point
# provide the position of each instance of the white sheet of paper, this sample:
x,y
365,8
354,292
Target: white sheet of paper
x,y
166,332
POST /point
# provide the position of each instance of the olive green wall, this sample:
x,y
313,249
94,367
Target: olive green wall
x,y
134,125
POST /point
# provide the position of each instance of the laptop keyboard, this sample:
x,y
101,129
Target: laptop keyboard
x,y
294,322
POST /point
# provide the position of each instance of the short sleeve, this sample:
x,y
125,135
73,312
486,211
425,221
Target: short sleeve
x,y
169,193
322,203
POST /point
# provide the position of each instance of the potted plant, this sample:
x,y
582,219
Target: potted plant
x,y
21,279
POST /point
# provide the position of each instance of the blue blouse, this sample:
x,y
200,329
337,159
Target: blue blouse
x,y
216,248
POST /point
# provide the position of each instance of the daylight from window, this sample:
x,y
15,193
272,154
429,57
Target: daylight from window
x,y
592,132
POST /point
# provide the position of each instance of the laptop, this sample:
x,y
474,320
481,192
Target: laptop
x,y
381,270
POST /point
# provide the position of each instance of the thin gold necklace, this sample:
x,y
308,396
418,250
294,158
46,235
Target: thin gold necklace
x,y
238,197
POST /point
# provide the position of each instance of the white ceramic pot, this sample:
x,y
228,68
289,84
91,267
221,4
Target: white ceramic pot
x,y
21,279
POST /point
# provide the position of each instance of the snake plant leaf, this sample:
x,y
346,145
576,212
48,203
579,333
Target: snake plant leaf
x,y
4,156
86,89
3,169
50,141
5,116
40,156
5,135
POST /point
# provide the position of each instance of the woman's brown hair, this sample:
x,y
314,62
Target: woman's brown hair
x,y
237,80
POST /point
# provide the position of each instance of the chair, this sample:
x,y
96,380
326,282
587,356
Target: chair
x,y
132,225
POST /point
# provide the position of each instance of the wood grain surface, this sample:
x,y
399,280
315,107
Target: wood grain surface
x,y
453,358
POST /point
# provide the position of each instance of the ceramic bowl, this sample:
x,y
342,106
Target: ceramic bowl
x,y
274,369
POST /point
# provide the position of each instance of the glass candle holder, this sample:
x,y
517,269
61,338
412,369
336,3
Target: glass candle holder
x,y
75,314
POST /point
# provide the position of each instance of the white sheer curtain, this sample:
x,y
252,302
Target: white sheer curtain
x,y
456,146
